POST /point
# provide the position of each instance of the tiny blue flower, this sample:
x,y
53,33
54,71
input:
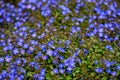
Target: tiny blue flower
x,y
38,24
15,51
25,45
42,72
61,57
62,71
5,48
98,70
114,73
69,68
29,51
108,71
24,28
55,70
8,58
22,51
44,57
100,30
34,35
49,52
85,51
18,61
118,67
1,59
61,65
109,47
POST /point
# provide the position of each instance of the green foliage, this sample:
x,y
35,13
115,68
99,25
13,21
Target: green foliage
x,y
95,47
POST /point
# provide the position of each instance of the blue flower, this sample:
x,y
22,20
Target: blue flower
x,y
80,19
55,62
50,43
55,70
99,70
105,36
69,71
20,43
4,73
72,64
2,35
109,47
18,61
33,42
34,35
61,49
38,24
5,48
15,51
38,4
61,57
21,33
8,40
1,76
22,51
8,58
1,59
34,65
81,41
32,1
60,65
22,70
49,52
76,53
41,78
29,51
31,48
42,72
108,71
79,60
24,28
62,71
25,45
100,30
55,53
100,34
114,73
111,28
51,20
118,67
73,29
21,77
39,54
32,31
45,11
67,18
95,62
43,0
44,57
65,10
43,47
85,51
1,20
108,64
67,42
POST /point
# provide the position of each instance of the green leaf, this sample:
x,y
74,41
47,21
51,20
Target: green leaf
x,y
48,77
104,78
29,74
68,77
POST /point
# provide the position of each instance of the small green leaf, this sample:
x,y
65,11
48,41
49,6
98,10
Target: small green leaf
x,y
29,74
68,78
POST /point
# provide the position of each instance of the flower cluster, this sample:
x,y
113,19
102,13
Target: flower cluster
x,y
48,38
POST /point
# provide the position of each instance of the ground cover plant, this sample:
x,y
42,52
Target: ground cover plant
x,y
59,40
